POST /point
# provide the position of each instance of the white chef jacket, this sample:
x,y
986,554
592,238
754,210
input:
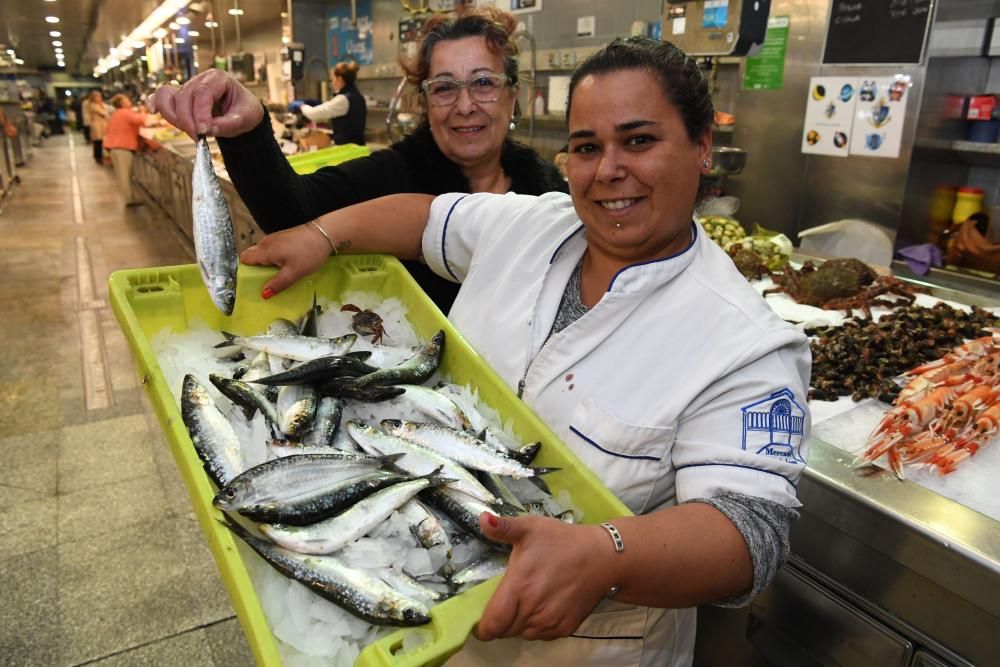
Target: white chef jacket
x,y
335,107
680,383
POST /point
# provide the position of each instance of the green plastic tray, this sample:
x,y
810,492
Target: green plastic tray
x,y
307,163
147,301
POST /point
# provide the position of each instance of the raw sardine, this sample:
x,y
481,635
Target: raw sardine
x,y
296,408
299,348
214,238
326,537
213,436
418,459
415,370
325,424
461,447
362,594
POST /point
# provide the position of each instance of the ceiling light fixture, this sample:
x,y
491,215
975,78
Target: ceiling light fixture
x,y
179,40
235,11
18,61
58,50
150,26
183,20
55,33
56,43
52,19
174,25
194,33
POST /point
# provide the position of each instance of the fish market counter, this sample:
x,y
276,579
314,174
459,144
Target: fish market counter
x,y
162,171
883,571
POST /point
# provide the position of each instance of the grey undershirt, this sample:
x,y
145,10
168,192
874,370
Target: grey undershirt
x,y
764,524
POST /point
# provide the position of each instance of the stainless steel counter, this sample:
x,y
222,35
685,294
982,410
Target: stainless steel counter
x,y
883,571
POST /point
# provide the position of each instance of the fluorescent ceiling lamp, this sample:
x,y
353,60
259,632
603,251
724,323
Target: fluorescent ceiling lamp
x,y
194,33
55,33
183,20
52,19
150,26
18,61
58,50
235,12
56,43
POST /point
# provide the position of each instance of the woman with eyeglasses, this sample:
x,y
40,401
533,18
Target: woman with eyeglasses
x,y
633,336
466,70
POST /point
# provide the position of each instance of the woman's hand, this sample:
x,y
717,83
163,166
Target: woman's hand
x,y
212,103
556,575
297,252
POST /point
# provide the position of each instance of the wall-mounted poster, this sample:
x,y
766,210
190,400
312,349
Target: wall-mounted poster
x,y
879,116
829,115
348,39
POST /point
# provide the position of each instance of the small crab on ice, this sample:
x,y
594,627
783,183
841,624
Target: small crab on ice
x,y
365,322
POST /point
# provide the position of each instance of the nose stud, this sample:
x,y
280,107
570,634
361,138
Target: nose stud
x,y
618,225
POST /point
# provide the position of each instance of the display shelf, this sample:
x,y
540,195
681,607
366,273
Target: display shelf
x,y
973,153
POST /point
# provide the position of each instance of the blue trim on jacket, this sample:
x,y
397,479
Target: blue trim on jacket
x,y
623,456
444,237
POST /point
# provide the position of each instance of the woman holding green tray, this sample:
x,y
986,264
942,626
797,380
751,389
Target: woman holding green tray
x,y
634,337
467,72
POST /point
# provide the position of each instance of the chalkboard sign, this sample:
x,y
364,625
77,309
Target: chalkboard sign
x,y
864,32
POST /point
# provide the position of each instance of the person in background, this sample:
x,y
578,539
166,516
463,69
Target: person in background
x,y
122,140
85,116
347,111
98,124
466,70
635,338
76,103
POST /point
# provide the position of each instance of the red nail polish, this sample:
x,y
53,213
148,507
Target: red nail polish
x,y
267,293
493,521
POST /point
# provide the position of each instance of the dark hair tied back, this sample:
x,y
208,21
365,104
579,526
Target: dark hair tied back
x,y
682,80
347,70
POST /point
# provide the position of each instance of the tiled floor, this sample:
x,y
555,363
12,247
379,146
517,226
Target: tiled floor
x,y
103,561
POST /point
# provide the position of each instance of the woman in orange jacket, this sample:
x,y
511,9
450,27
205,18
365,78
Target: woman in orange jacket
x,y
122,139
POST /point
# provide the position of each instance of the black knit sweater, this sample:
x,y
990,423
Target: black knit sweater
x,y
278,198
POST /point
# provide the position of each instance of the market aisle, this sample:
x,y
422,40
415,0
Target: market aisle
x,y
103,559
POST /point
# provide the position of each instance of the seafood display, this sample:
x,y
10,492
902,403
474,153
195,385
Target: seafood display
x,y
214,237
862,358
841,284
357,448
949,410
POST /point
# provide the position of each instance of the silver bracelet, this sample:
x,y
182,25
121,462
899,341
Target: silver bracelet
x,y
615,536
325,235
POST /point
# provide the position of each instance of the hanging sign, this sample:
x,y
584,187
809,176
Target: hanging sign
x,y
869,32
766,70
348,39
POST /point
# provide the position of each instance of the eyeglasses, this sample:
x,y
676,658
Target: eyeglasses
x,y
443,92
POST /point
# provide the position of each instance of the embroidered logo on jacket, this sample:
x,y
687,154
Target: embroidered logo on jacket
x,y
774,427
